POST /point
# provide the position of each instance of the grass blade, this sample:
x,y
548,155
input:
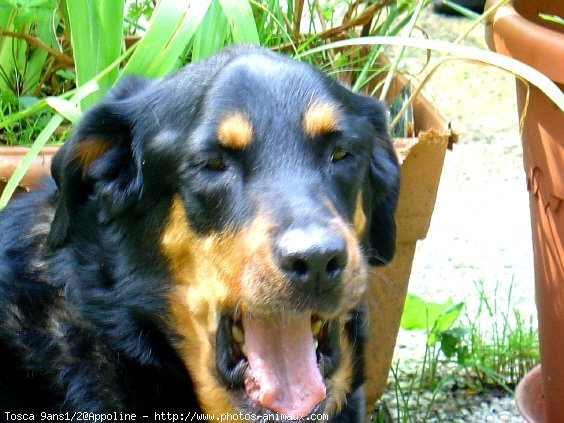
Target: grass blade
x,y
552,18
395,63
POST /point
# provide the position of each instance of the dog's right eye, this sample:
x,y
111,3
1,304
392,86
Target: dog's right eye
x,y
215,163
339,154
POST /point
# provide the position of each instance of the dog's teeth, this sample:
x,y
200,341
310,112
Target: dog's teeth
x,y
243,348
238,334
315,343
316,327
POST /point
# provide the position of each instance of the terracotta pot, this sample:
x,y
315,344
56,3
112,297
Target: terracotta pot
x,y
10,157
516,31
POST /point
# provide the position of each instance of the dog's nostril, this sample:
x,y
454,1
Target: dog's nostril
x,y
314,257
333,267
300,268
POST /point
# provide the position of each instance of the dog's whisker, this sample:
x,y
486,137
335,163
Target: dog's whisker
x,y
384,278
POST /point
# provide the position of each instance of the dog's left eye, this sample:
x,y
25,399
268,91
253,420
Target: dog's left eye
x,y
215,163
339,154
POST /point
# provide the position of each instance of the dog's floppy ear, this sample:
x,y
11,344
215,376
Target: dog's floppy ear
x,y
99,159
381,188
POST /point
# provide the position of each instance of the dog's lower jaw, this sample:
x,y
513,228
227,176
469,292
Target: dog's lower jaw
x,y
219,397
255,377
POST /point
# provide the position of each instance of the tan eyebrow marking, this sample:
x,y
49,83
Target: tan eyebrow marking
x,y
235,131
319,118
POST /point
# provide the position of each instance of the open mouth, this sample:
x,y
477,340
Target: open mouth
x,y
281,361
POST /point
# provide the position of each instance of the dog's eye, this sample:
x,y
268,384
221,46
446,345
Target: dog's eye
x,y
216,163
338,154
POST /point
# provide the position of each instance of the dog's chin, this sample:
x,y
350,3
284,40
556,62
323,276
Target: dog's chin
x,y
278,363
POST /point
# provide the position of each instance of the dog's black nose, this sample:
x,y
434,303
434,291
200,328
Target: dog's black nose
x,y
314,257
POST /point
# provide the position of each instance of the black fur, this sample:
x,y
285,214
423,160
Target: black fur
x,y
83,282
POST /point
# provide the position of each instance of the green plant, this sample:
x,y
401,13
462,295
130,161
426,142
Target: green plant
x,y
28,47
31,65
25,131
95,49
138,13
495,346
501,346
492,347
437,320
408,397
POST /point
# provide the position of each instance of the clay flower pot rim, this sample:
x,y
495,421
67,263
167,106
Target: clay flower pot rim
x,y
524,40
10,157
17,150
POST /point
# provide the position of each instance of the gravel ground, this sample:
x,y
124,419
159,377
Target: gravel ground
x,y
480,227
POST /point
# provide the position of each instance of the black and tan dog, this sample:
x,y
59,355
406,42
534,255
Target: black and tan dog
x,y
203,248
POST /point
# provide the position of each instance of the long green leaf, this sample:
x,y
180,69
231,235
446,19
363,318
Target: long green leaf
x,y
7,44
270,24
96,35
169,32
25,163
212,35
36,62
528,73
7,15
239,14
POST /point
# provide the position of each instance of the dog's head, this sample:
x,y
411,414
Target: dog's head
x,y
257,191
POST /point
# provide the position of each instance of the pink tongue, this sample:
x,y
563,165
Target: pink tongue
x,y
283,375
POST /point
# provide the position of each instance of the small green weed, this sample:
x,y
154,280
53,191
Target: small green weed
x,y
502,345
25,131
492,348
412,402
496,346
437,319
